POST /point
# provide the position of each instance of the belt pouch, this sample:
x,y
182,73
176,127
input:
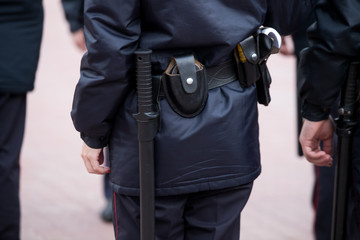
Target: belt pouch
x,y
185,85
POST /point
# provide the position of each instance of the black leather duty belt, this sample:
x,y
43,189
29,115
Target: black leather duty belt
x,y
221,74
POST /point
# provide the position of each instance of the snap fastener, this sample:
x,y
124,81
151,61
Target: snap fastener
x,y
189,81
254,56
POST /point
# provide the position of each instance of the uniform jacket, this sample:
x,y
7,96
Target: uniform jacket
x,y
334,43
74,13
218,148
21,24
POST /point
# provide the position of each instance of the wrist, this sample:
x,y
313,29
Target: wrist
x,y
94,142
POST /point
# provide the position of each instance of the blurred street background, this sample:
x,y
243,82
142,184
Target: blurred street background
x,y
61,201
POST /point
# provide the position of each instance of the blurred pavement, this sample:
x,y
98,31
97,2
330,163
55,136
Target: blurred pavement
x,y
61,201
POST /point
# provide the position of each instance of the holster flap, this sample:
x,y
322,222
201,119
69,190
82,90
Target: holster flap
x,y
186,68
250,49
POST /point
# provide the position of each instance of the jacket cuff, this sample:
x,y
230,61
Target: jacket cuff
x,y
94,142
314,112
75,26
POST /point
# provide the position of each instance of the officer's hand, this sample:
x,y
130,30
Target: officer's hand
x,y
311,135
93,158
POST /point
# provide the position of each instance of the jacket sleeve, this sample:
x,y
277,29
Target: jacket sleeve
x,y
334,43
73,10
112,30
288,16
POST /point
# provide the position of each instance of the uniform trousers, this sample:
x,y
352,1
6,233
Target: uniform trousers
x,y
207,215
12,124
353,231
323,201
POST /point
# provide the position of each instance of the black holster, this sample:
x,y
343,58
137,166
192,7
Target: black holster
x,y
251,55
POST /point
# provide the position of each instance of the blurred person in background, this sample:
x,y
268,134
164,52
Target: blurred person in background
x,y
322,197
74,14
21,26
324,65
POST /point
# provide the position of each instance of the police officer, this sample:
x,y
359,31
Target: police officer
x,y
323,189
206,158
21,24
324,66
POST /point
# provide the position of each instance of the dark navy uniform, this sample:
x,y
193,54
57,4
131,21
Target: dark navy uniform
x,y
216,150
21,30
334,44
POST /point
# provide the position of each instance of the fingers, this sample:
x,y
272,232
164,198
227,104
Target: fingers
x,y
318,157
328,146
96,164
312,133
93,158
81,45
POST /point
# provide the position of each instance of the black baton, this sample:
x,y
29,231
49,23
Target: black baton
x,y
345,127
147,127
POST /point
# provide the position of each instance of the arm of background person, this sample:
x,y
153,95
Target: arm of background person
x,y
334,43
73,10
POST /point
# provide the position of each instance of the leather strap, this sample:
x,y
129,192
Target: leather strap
x,y
221,74
186,67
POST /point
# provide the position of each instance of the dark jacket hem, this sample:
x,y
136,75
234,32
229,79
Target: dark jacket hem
x,y
17,89
205,186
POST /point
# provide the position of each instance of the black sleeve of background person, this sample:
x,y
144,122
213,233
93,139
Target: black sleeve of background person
x,y
300,37
74,13
334,43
